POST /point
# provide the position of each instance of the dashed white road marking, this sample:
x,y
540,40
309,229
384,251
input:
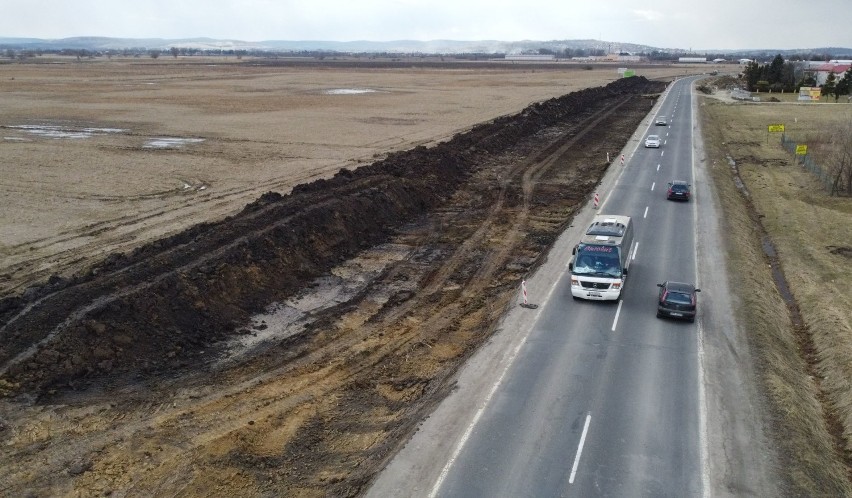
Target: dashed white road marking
x,y
617,312
580,448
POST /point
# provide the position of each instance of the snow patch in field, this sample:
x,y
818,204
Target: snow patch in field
x,y
349,91
170,142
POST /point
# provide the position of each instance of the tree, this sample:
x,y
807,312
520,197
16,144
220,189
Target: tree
x,y
774,73
175,52
840,159
154,53
844,86
788,76
830,83
752,73
807,81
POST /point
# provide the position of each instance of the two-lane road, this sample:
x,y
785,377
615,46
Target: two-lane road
x,y
590,398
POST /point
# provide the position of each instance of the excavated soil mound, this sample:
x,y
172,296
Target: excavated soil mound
x,y
161,306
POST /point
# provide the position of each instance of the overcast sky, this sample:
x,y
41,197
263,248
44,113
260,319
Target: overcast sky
x,y
684,24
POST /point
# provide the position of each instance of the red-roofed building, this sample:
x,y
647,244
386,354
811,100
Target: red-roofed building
x,y
820,73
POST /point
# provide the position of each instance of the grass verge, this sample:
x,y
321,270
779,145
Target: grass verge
x,y
804,347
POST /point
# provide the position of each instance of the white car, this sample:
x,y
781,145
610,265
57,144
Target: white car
x,y
653,141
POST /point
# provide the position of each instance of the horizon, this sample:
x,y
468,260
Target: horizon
x,y
730,25
259,43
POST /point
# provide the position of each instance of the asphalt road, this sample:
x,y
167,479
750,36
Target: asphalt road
x,y
582,398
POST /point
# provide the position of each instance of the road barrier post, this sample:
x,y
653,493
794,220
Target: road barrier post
x,y
596,200
525,304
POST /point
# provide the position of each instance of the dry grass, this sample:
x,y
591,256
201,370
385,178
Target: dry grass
x,y
804,223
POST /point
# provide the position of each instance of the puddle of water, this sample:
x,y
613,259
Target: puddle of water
x,y
349,91
737,180
170,142
63,132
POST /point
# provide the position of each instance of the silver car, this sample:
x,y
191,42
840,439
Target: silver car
x,y
653,141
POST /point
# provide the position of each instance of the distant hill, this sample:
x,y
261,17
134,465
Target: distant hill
x,y
100,44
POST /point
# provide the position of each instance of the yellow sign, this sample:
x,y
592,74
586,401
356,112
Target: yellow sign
x,y
801,150
776,128
809,93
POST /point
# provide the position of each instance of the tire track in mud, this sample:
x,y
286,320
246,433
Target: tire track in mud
x,y
320,412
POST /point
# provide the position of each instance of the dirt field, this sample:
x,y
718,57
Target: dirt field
x,y
783,227
102,156
290,348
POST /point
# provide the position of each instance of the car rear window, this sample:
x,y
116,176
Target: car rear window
x,y
679,188
678,298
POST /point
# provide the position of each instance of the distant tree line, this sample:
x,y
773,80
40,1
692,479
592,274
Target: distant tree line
x,y
780,75
17,53
568,53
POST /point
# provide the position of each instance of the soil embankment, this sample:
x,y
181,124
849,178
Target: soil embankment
x,y
118,380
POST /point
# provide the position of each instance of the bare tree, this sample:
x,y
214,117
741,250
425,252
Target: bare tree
x,y
840,159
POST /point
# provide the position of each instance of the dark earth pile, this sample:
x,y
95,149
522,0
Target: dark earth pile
x,y
161,307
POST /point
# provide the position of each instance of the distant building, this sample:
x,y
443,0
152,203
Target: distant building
x,y
820,72
746,61
628,58
530,57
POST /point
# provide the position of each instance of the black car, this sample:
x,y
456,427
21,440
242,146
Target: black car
x,y
678,190
677,300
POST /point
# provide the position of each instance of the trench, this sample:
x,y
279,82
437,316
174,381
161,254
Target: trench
x,y
806,346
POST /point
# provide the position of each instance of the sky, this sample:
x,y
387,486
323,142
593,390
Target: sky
x,y
675,24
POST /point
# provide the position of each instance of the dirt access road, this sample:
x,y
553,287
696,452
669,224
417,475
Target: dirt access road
x,y
290,349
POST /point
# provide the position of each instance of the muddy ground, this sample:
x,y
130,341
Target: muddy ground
x,y
291,349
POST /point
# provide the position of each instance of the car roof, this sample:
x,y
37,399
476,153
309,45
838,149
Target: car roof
x,y
679,286
679,182
653,137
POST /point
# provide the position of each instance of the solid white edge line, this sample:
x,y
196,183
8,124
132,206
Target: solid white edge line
x,y
446,470
580,449
617,312
702,399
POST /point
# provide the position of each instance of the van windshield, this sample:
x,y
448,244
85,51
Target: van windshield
x,y
598,261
